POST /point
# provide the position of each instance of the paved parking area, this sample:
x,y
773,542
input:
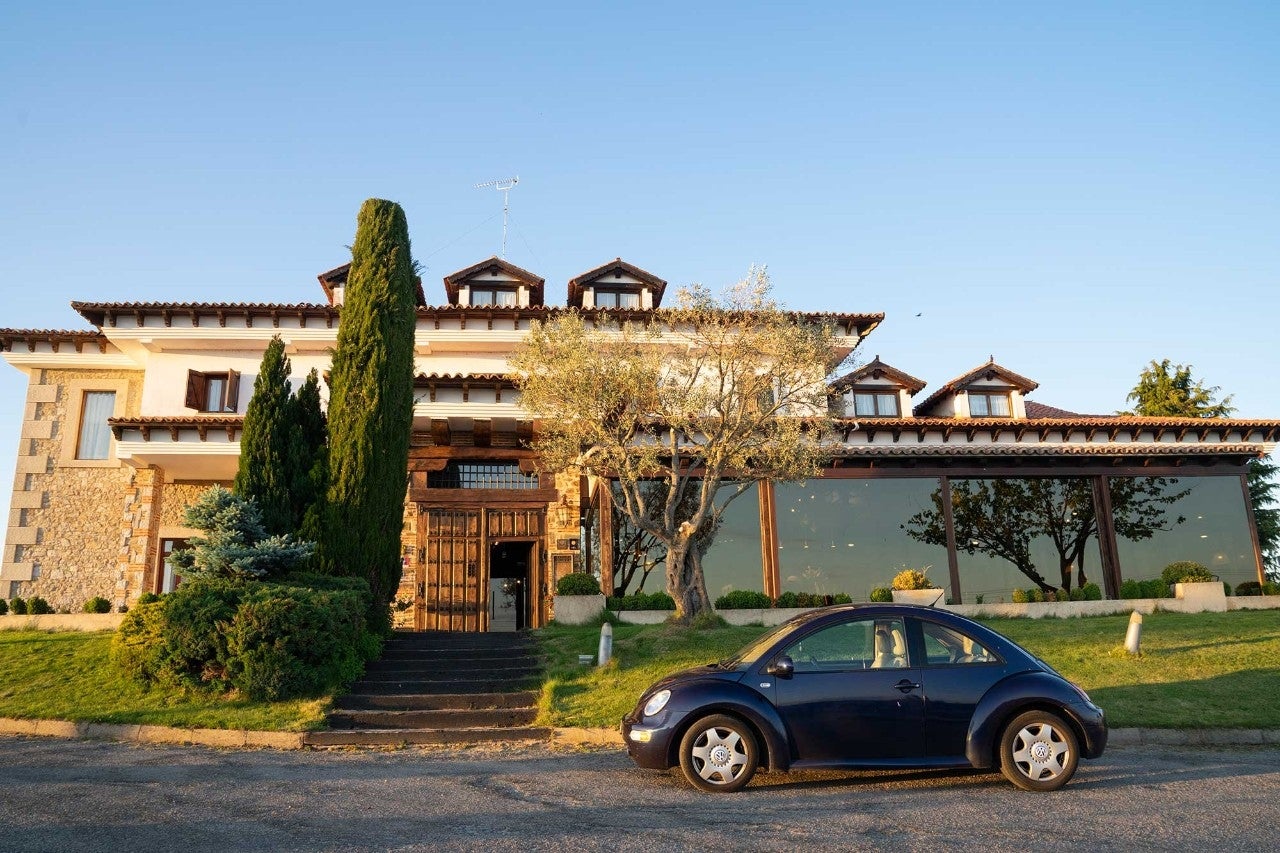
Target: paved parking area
x,y
58,795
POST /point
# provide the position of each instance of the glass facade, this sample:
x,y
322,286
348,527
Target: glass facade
x,y
848,536
852,535
1023,533
1160,520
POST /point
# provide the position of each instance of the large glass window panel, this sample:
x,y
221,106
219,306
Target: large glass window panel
x,y
95,435
1160,520
849,536
1021,533
732,561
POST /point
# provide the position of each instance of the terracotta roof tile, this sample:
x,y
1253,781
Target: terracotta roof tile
x,y
877,368
1022,383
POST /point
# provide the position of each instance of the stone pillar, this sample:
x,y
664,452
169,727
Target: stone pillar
x,y
138,525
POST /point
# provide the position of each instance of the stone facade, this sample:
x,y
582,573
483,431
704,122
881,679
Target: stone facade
x,y
61,544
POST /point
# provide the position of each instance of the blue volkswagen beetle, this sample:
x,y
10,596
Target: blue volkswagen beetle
x,y
868,686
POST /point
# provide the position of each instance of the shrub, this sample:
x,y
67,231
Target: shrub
x,y
97,604
1271,588
147,598
1036,594
578,583
37,606
843,598
1249,588
882,593
1185,571
1091,592
138,647
1020,596
912,579
743,599
18,606
289,641
4,606
641,601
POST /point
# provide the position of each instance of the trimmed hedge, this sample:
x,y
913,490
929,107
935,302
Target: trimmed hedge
x,y
743,599
97,604
18,606
578,583
301,636
641,601
37,606
882,594
1186,571
4,606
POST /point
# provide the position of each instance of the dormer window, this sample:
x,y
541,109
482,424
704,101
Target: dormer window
x,y
612,298
876,405
499,296
988,404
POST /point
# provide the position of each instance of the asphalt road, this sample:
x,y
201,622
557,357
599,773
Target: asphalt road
x,y
58,795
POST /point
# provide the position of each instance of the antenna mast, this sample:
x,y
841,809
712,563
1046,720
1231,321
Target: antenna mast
x,y
504,186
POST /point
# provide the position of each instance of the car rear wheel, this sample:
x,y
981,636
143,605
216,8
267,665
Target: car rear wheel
x,y
1039,751
719,754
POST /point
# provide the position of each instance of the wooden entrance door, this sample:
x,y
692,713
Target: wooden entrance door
x,y
453,590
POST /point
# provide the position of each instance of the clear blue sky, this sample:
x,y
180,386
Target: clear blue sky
x,y
1073,188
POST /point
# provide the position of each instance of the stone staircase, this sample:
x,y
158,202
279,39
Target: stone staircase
x,y
441,688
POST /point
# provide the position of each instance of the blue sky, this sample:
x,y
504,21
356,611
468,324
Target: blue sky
x,y
1074,188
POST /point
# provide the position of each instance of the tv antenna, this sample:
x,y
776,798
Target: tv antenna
x,y
504,186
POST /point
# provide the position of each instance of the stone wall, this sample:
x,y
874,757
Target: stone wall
x,y
65,531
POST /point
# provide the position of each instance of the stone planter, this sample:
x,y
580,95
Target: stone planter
x,y
927,597
576,609
1199,597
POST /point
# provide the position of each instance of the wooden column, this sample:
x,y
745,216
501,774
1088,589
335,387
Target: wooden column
x,y
1253,529
769,540
1107,536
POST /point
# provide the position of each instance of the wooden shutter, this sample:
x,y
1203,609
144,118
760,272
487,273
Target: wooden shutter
x,y
197,388
233,391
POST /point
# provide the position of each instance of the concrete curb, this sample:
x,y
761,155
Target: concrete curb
x,y
563,738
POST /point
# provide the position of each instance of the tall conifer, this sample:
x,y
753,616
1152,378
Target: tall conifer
x,y
266,443
310,458
371,407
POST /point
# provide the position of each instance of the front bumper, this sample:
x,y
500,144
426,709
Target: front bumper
x,y
648,741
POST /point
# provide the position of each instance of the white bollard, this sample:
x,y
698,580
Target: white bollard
x,y
1133,639
606,644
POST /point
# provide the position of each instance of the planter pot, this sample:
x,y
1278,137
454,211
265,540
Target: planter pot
x,y
1204,596
927,597
576,609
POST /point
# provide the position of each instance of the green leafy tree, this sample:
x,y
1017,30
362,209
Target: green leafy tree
x,y
236,543
371,408
266,472
1168,390
715,392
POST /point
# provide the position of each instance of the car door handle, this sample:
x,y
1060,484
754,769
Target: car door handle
x,y
906,685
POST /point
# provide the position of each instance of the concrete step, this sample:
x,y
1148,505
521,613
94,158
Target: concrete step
x,y
444,685
434,701
396,737
401,670
410,653
490,718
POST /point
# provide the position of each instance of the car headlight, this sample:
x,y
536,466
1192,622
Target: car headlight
x,y
657,702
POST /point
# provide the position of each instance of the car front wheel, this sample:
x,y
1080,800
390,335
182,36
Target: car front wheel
x,y
1039,751
719,754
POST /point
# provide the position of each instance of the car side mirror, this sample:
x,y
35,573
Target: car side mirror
x,y
783,667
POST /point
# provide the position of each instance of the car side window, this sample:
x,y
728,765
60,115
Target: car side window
x,y
858,644
944,646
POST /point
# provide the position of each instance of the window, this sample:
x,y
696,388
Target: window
x,y
213,392
617,298
481,475
169,579
95,435
989,405
867,404
500,296
860,644
943,646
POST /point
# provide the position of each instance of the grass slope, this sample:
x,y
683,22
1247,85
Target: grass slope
x,y
69,676
1210,670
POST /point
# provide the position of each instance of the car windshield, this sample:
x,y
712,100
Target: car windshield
x,y
751,653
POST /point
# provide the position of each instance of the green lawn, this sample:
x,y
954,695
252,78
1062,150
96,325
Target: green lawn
x,y
1210,670
68,676
1218,670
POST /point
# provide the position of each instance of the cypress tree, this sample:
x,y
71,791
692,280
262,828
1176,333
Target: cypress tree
x,y
310,458
371,408
265,474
